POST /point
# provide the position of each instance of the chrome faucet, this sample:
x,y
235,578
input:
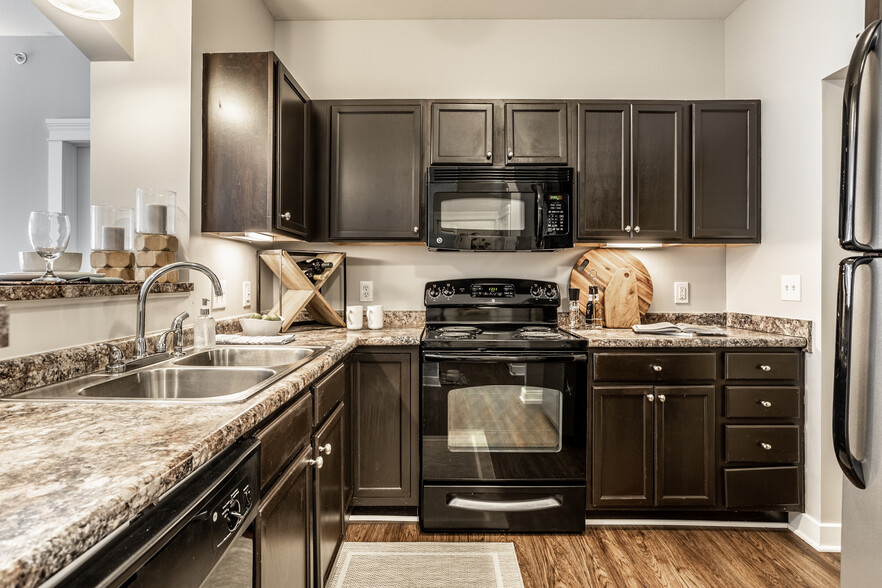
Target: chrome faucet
x,y
140,341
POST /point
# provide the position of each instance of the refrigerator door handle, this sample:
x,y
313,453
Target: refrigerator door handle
x,y
851,466
851,106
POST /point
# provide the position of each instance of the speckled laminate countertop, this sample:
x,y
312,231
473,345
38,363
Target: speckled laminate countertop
x,y
73,472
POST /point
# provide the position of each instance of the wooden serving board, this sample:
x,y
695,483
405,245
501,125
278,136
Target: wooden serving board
x,y
597,267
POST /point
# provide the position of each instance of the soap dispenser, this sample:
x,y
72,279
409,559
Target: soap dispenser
x,y
204,329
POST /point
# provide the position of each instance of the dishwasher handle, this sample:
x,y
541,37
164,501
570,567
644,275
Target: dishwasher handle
x,y
495,358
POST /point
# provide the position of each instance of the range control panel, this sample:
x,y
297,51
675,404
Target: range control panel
x,y
557,214
504,292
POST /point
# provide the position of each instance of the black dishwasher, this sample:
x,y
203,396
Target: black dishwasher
x,y
197,535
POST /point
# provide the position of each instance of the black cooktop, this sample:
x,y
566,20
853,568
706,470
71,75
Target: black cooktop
x,y
489,337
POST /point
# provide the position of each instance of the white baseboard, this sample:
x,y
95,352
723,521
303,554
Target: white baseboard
x,y
826,537
679,523
369,518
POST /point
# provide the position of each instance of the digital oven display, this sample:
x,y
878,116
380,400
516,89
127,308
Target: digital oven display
x,y
493,291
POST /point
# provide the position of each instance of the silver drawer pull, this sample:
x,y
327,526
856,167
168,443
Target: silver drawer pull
x,y
286,216
765,403
506,505
628,229
765,368
657,367
326,449
766,446
317,462
661,398
650,397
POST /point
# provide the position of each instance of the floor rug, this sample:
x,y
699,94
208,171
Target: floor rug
x,y
426,565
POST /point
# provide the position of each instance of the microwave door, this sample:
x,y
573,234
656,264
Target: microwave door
x,y
860,209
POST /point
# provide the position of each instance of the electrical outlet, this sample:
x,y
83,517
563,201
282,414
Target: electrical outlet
x,y
365,291
246,294
791,287
681,292
219,302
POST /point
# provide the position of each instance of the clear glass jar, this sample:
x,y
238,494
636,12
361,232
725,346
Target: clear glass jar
x,y
155,211
112,229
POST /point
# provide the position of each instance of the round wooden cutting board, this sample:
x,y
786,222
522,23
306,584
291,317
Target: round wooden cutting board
x,y
597,267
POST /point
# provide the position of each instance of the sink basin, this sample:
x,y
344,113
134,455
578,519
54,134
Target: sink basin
x,y
204,384
253,356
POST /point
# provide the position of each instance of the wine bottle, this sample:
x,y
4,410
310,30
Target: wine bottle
x,y
313,267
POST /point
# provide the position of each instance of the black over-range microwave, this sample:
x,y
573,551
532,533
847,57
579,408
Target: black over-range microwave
x,y
500,209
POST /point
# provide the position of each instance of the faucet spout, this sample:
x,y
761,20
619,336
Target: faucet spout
x,y
140,340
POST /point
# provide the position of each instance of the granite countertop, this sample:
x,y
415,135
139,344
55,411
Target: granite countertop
x,y
736,338
72,472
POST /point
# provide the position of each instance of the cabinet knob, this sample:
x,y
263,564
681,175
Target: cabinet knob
x,y
765,403
661,398
637,229
766,446
656,367
317,462
286,216
628,228
510,154
650,397
489,154
765,368
326,449
416,230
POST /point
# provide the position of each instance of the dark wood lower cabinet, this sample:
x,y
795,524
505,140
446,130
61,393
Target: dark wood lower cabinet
x,y
385,428
283,529
330,516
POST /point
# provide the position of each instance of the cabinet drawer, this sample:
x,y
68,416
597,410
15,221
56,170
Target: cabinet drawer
x,y
763,444
758,487
762,366
284,437
650,367
762,401
329,392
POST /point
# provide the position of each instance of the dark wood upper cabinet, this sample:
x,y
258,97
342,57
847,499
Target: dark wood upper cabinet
x,y
253,143
604,184
536,133
632,172
462,133
376,172
725,172
385,412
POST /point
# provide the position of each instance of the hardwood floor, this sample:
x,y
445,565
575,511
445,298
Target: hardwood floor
x,y
646,557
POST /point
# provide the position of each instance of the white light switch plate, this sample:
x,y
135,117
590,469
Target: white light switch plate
x,y
246,294
220,302
791,287
681,292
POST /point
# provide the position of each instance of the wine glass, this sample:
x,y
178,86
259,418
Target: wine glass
x,y
49,233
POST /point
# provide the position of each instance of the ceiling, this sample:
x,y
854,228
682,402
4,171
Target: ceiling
x,y
499,9
20,18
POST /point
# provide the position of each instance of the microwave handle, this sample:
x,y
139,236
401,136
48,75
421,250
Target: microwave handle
x,y
540,205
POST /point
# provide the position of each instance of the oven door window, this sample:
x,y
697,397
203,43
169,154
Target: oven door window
x,y
499,418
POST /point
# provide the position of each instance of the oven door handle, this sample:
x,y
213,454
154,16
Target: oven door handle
x,y
506,505
493,358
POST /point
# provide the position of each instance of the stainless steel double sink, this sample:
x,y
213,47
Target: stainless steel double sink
x,y
224,374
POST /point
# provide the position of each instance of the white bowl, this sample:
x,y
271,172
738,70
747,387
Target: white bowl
x,y
70,261
260,327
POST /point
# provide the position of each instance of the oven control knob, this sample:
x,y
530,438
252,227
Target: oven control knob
x,y
551,291
535,291
434,291
447,290
233,514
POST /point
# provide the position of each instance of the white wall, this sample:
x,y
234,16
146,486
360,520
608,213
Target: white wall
x,y
53,83
630,59
780,52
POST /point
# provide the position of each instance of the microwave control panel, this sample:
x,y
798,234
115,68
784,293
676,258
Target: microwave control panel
x,y
557,214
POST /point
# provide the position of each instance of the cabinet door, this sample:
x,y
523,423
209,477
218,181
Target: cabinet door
x,y
330,519
283,529
621,473
658,171
291,212
462,133
684,445
536,133
725,171
376,172
604,195
384,429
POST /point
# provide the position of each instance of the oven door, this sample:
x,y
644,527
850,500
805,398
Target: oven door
x,y
517,417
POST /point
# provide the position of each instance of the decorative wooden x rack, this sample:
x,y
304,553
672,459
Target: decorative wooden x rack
x,y
301,292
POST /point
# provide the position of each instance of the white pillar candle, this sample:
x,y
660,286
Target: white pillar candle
x,y
113,238
154,221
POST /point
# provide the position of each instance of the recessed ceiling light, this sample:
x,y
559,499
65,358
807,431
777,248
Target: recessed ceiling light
x,y
90,9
